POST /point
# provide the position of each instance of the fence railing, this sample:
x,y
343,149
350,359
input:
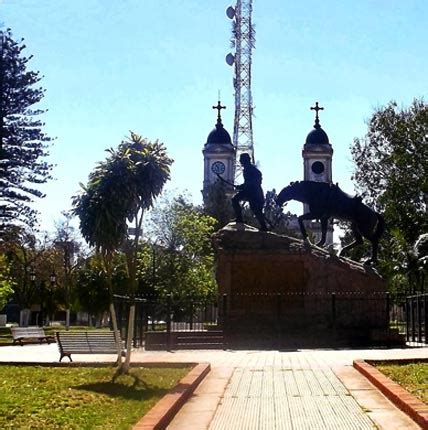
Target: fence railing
x,y
166,315
416,312
279,315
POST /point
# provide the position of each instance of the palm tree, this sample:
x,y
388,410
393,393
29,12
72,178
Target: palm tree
x,y
120,190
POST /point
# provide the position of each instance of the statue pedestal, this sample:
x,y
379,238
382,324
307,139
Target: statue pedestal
x,y
276,291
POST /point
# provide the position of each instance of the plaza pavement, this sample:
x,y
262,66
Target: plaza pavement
x,y
297,389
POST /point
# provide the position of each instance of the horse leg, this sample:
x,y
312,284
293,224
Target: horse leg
x,y
373,258
358,241
307,216
380,227
324,225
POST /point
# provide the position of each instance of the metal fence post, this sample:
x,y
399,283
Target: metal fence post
x,y
168,322
419,309
388,308
191,316
426,318
407,319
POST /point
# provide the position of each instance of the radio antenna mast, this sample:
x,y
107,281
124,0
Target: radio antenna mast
x,y
243,40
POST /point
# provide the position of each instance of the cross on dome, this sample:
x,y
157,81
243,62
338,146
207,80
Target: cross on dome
x,y
219,107
317,108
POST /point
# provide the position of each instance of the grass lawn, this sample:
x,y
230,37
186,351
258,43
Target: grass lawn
x,y
80,397
413,377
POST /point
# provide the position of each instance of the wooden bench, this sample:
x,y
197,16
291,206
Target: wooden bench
x,y
86,342
21,333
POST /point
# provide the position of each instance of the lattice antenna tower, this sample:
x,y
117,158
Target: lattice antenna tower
x,y
243,41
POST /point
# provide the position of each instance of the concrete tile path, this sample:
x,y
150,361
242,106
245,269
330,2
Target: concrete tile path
x,y
299,389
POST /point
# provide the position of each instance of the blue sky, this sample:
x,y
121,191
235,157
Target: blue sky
x,y
155,67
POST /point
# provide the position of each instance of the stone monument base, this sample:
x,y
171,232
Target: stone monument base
x,y
280,292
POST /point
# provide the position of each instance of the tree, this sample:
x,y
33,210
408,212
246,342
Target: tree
x,y
391,173
119,190
66,247
23,145
218,203
91,286
6,281
26,255
184,254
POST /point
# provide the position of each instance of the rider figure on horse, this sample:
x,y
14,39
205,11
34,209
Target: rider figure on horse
x,y
250,191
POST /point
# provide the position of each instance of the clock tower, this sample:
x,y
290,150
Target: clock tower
x,y
317,156
219,156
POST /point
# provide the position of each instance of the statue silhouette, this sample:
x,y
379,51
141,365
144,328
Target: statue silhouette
x,y
250,191
328,201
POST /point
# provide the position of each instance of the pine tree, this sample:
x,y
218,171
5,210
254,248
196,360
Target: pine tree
x,y
23,145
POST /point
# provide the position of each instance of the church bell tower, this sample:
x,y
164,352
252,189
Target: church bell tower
x,y
317,156
219,156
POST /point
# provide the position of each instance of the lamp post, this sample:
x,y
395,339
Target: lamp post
x,y
52,281
31,292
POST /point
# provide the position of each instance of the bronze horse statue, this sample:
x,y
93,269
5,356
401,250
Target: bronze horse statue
x,y
327,201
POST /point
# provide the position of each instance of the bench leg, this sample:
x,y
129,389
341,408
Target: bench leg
x,y
65,355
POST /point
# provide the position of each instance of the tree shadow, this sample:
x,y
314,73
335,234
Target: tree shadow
x,y
122,386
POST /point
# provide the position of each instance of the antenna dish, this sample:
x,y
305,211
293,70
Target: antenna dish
x,y
230,59
230,12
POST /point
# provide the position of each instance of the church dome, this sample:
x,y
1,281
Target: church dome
x,y
317,137
219,135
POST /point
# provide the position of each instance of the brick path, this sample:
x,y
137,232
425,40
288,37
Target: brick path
x,y
288,398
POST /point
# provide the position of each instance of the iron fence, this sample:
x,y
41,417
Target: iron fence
x,y
416,313
277,320
166,315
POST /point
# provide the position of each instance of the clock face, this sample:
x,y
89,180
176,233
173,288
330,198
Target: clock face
x,y
218,167
317,167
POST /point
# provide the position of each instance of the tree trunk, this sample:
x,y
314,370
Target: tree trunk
x,y
67,319
116,334
131,321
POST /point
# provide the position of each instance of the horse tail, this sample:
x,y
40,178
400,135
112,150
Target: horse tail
x,y
380,227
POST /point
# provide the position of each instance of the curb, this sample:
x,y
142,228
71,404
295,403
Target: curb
x,y
408,403
165,409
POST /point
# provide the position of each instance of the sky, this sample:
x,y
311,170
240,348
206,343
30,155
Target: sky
x,y
155,67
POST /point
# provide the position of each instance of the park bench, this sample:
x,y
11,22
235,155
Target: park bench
x,y
86,342
21,333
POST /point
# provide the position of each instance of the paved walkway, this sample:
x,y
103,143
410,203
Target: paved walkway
x,y
304,389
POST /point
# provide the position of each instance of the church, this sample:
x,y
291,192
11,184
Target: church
x,y
220,159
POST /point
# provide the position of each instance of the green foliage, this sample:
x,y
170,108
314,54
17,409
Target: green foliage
x,y
25,253
184,258
218,203
23,145
127,181
91,285
391,173
80,397
6,281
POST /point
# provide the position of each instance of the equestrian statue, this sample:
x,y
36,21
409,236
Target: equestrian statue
x,y
327,201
